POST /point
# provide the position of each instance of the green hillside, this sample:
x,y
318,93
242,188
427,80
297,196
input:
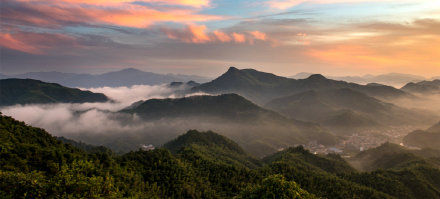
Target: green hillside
x,y
33,164
29,91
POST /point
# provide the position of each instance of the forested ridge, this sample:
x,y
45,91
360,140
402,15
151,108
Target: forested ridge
x,y
30,91
34,164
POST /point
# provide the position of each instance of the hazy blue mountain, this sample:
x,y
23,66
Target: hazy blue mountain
x,y
258,130
184,85
423,87
262,87
125,77
302,75
2,76
29,91
392,79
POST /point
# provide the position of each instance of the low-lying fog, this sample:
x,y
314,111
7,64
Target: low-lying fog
x,y
92,120
102,124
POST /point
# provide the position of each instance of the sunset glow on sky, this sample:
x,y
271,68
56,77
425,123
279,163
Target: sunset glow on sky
x,y
204,37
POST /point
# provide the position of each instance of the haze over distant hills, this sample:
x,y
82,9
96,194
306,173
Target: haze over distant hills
x,y
262,87
392,79
429,138
230,114
345,108
125,77
423,87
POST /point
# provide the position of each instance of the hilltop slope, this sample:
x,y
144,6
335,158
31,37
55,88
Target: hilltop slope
x,y
423,87
29,91
429,138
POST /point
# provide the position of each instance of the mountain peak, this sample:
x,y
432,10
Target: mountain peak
x,y
232,68
317,77
130,70
209,138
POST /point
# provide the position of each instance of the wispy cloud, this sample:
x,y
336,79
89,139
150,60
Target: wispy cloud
x,y
34,43
199,34
119,13
285,4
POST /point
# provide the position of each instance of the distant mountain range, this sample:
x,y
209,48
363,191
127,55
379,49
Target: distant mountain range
x,y
423,87
28,91
262,87
125,77
392,79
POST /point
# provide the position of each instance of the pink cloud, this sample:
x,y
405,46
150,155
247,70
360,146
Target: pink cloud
x,y
199,34
34,43
259,35
117,12
221,36
238,38
190,3
285,4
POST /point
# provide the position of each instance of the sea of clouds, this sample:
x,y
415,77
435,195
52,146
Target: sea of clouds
x,y
67,119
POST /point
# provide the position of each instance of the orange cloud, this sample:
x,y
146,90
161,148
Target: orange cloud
x,y
420,55
284,4
239,38
34,43
259,35
116,12
8,41
191,3
221,36
199,34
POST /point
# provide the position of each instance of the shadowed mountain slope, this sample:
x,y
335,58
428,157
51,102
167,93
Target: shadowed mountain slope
x,y
262,87
429,138
29,91
344,107
423,87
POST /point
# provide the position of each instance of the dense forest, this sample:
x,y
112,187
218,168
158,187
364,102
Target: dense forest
x,y
34,164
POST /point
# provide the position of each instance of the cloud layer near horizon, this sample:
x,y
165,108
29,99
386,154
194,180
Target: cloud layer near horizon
x,y
64,119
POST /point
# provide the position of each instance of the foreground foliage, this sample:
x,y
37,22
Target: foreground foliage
x,y
33,164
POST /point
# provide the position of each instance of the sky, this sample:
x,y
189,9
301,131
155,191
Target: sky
x,y
205,37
